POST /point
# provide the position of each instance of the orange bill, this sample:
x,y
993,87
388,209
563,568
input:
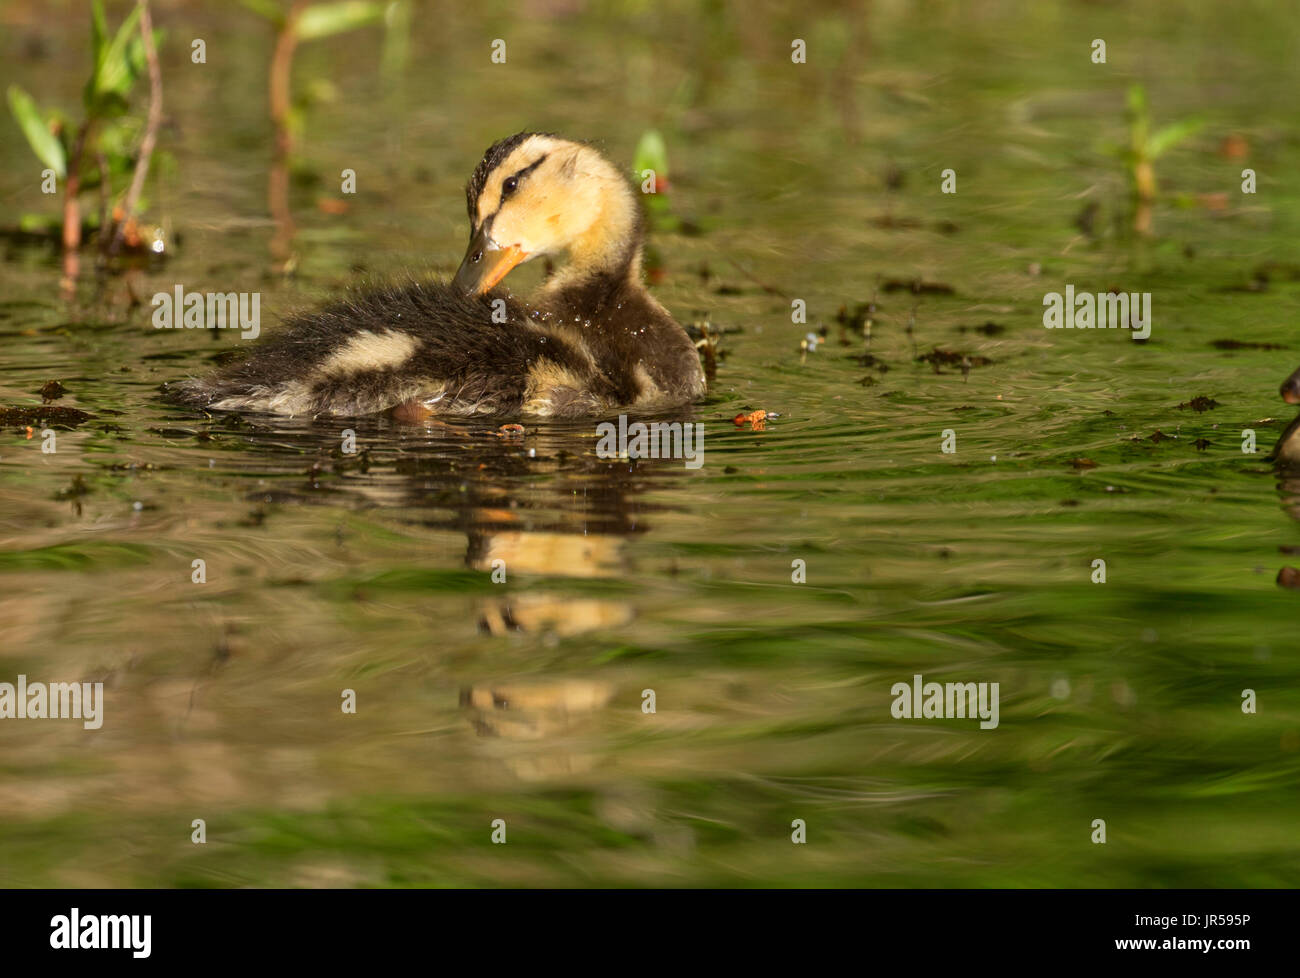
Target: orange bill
x,y
485,264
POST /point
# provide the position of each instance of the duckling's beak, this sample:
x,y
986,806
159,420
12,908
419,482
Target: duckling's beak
x,y
486,263
1291,389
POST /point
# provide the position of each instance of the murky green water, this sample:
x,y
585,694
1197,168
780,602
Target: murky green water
x,y
522,701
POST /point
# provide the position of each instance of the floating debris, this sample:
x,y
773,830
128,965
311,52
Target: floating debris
x,y
868,360
75,489
46,414
755,419
1234,147
1258,283
988,329
1199,404
889,222
1245,345
807,345
1086,219
951,358
917,287
52,390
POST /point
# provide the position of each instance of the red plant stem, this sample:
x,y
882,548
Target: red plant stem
x,y
72,209
286,41
150,131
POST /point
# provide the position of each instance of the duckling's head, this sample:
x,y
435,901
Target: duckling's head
x,y
1291,388
539,195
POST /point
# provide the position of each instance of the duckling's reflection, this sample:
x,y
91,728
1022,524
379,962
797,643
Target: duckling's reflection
x,y
539,729
1287,452
541,506
1286,463
550,508
538,505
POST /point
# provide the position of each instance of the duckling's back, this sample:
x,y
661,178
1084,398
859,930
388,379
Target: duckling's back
x,y
422,344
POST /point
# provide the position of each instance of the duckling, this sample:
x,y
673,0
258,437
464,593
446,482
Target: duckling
x,y
1291,388
592,341
1287,450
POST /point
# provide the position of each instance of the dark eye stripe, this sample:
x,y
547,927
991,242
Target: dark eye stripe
x,y
511,183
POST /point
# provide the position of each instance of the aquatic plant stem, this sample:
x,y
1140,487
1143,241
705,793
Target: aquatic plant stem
x,y
150,130
105,192
286,42
72,211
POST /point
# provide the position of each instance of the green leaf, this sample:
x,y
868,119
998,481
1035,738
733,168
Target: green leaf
x,y
651,154
1171,135
98,31
325,19
111,105
397,39
136,55
37,224
267,9
1137,100
43,142
118,138
114,74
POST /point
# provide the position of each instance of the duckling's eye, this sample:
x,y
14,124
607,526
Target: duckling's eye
x,y
510,185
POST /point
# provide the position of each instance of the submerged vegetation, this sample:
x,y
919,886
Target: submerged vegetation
x,y
1143,149
293,25
109,142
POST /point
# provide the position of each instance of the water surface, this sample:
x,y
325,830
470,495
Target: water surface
x,y
522,700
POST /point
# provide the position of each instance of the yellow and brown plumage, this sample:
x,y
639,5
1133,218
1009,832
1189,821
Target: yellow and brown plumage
x,y
1287,450
592,341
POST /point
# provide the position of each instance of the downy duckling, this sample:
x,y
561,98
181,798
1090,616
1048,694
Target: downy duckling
x,y
1291,388
1287,450
591,342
